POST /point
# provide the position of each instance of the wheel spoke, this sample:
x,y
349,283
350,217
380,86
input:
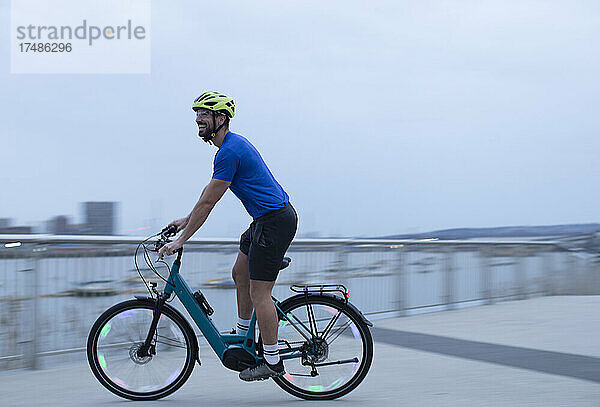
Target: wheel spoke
x,y
330,325
341,363
126,373
311,320
339,331
169,341
295,318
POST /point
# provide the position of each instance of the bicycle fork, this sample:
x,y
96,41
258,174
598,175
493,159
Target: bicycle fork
x,y
148,349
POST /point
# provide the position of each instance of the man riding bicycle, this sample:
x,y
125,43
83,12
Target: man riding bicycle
x,y
239,167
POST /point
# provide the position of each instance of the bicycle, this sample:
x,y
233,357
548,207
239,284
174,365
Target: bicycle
x,y
145,349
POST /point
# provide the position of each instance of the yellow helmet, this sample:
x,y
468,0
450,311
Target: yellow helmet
x,y
215,101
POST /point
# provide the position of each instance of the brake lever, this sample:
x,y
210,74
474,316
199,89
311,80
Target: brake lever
x,y
161,242
168,231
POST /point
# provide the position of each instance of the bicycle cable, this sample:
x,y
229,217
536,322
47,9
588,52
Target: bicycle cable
x,y
149,263
137,267
151,266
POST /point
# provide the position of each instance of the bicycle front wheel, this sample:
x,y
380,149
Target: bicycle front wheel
x,y
341,353
117,335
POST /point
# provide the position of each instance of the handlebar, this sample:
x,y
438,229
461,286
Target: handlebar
x,y
164,236
169,231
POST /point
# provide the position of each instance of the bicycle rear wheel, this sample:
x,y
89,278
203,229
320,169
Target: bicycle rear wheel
x,y
342,355
117,335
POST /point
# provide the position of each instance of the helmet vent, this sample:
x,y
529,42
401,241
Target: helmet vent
x,y
215,101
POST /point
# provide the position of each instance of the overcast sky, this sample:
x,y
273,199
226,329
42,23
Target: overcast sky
x,y
376,117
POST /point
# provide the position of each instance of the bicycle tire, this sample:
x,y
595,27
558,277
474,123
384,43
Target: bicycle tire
x,y
132,307
313,393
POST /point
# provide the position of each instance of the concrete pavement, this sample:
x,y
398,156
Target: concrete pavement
x,y
537,352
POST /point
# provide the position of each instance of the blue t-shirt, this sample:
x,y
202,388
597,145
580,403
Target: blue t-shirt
x,y
238,162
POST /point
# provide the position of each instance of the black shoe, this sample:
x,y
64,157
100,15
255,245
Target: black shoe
x,y
263,371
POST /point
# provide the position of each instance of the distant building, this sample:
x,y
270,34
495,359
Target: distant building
x,y
6,228
59,225
16,230
99,218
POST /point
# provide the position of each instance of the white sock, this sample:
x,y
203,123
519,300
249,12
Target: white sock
x,y
271,353
242,326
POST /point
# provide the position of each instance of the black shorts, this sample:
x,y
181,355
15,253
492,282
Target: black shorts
x,y
266,241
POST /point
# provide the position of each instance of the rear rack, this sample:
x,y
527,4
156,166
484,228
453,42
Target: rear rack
x,y
321,288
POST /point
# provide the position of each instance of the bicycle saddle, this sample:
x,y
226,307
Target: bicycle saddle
x,y
285,262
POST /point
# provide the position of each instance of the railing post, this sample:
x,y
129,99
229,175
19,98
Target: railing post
x,y
582,277
571,275
342,261
486,275
595,270
342,264
521,274
548,273
31,353
402,281
449,283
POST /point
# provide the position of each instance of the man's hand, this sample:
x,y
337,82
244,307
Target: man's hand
x,y
170,248
180,223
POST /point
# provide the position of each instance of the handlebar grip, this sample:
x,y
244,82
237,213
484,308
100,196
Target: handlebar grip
x,y
169,230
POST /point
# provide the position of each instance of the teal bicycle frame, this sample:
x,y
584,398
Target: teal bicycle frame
x,y
223,342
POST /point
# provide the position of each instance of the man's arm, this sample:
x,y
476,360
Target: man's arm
x,y
182,223
210,196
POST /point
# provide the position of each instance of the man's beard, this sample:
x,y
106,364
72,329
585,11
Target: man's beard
x,y
207,133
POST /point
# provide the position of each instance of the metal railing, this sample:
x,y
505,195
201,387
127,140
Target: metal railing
x,y
52,288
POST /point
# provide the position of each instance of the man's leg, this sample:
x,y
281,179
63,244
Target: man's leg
x,y
260,293
271,239
242,284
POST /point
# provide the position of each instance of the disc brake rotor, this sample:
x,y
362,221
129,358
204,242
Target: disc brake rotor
x,y
137,359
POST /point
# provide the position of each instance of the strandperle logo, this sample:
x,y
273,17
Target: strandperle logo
x,y
80,36
84,31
